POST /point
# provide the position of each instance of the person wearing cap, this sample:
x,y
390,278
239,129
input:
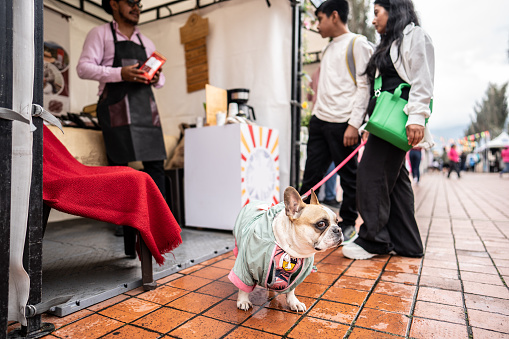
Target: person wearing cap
x,y
384,190
112,55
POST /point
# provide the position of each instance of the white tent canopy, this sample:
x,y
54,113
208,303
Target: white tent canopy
x,y
499,142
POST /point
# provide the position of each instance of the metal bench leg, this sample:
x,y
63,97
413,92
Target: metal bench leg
x,y
146,267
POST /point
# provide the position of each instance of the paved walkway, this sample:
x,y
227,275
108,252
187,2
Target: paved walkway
x,y
459,289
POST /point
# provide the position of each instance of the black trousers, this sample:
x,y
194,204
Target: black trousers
x,y
325,144
454,166
386,201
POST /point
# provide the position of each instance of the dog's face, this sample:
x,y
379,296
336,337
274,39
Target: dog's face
x,y
315,226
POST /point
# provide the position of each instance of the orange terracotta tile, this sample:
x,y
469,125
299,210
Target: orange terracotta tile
x,y
92,326
336,260
130,332
163,294
202,327
194,302
362,272
487,304
404,278
191,269
440,296
61,321
135,292
345,295
405,260
273,321
486,289
169,278
318,328
107,303
189,283
310,290
218,289
488,321
403,268
361,333
279,303
355,283
321,278
164,319
224,279
258,297
427,328
441,312
330,268
371,264
443,283
129,310
249,333
212,261
394,323
210,272
334,311
389,303
228,311
395,289
225,263
479,333
50,336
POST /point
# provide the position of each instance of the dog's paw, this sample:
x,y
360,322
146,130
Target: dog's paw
x,y
297,306
294,303
244,305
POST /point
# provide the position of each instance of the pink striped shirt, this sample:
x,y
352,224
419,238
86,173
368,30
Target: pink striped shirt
x,y
99,51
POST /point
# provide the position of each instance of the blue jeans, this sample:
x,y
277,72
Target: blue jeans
x,y
330,185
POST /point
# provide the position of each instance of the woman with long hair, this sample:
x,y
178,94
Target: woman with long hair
x,y
384,191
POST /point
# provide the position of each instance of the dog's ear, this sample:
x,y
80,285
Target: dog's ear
x,y
314,199
293,203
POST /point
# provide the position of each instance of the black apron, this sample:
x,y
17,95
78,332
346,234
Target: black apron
x,y
127,112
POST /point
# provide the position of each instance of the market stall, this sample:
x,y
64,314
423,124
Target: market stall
x,y
252,44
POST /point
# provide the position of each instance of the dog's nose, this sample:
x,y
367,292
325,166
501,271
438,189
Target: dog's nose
x,y
336,229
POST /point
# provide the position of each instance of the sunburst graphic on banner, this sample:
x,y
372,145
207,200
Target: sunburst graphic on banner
x,y
259,164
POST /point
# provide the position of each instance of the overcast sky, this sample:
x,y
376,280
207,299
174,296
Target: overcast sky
x,y
471,40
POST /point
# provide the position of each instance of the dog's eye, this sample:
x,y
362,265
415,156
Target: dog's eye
x,y
322,224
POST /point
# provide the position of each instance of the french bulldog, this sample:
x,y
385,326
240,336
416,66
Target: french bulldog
x,y
275,246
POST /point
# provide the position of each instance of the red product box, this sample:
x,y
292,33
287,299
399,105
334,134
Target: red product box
x,y
152,65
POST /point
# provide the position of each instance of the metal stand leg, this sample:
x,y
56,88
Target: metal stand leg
x,y
146,267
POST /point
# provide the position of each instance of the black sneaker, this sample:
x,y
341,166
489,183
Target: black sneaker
x,y
349,234
332,203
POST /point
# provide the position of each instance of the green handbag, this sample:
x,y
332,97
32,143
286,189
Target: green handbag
x,y
388,120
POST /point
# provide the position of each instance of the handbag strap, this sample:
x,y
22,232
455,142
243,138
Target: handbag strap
x,y
397,91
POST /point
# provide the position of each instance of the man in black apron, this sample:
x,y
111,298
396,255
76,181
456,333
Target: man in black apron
x,y
126,110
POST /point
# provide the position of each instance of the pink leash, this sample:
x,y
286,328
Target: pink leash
x,y
327,177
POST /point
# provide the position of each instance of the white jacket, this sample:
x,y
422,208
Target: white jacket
x,y
416,66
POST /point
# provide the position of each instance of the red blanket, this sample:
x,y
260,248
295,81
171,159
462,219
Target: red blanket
x,y
118,195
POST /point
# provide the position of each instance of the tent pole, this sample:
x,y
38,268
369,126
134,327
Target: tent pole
x,y
32,256
295,95
5,158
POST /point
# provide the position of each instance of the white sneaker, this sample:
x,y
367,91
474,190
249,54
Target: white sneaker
x,y
354,251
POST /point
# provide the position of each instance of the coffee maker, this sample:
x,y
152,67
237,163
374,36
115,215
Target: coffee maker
x,y
240,96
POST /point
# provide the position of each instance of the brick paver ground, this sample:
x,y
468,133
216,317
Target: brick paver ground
x,y
458,290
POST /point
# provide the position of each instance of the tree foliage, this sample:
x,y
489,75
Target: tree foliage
x,y
358,21
491,113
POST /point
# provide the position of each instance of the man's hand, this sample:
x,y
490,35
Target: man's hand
x,y
415,133
351,136
155,79
133,74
